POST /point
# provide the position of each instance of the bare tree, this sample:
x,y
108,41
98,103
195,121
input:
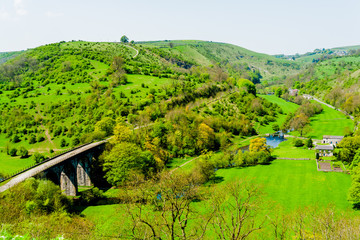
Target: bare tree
x,y
164,209
237,207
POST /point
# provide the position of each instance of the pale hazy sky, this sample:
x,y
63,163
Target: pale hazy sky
x,y
268,26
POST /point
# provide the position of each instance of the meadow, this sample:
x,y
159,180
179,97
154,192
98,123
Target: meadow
x,y
287,107
287,185
329,122
287,149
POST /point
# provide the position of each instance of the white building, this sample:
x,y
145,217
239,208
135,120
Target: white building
x,y
333,140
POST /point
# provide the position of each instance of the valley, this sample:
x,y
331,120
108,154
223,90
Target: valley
x,y
185,123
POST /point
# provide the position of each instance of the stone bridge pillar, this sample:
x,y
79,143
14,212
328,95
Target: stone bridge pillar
x,y
68,181
83,170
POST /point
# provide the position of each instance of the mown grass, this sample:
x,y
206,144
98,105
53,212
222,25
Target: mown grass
x,y
329,122
295,183
10,165
287,149
287,107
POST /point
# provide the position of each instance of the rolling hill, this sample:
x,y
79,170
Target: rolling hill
x,y
232,57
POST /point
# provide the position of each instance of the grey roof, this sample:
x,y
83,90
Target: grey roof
x,y
324,147
333,137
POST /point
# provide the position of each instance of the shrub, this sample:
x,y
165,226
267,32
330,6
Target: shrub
x,y
22,152
12,152
40,139
38,157
32,139
298,143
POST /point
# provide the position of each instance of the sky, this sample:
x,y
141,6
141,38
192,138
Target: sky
x,y
266,26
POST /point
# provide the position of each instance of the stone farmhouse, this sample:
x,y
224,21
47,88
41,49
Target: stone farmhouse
x,y
325,150
333,140
293,92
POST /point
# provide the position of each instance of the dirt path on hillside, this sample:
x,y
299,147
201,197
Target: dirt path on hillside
x,y
46,130
137,51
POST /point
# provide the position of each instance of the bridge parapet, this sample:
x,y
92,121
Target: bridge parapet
x,y
69,170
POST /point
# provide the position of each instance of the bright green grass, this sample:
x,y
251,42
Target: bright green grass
x,y
287,107
286,149
135,82
176,162
329,122
294,183
10,165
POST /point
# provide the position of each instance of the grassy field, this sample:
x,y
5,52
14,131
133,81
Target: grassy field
x,y
295,183
287,107
288,185
286,149
329,122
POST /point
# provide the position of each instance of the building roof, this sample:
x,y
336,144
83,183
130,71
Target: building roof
x,y
333,137
324,147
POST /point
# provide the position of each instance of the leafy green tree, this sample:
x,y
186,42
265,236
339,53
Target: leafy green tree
x,y
299,122
354,190
278,92
32,139
124,39
63,143
309,143
22,152
246,85
105,125
38,157
124,157
275,127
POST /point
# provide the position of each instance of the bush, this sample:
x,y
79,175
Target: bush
x,y
63,143
13,152
32,139
22,152
38,157
91,196
298,143
40,139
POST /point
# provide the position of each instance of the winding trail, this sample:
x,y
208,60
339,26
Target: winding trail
x,y
137,51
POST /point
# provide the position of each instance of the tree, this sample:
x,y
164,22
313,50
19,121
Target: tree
x,y
237,206
13,152
22,152
206,137
124,39
276,127
164,209
38,157
354,190
246,85
122,158
309,143
32,139
278,92
258,145
299,122
105,125
63,143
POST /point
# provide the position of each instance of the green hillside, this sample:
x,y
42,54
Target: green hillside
x,y
5,56
233,57
335,80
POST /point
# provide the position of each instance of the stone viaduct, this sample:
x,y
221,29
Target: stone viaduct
x,y
69,170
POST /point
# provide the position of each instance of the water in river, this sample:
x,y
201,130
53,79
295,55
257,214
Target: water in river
x,y
274,141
